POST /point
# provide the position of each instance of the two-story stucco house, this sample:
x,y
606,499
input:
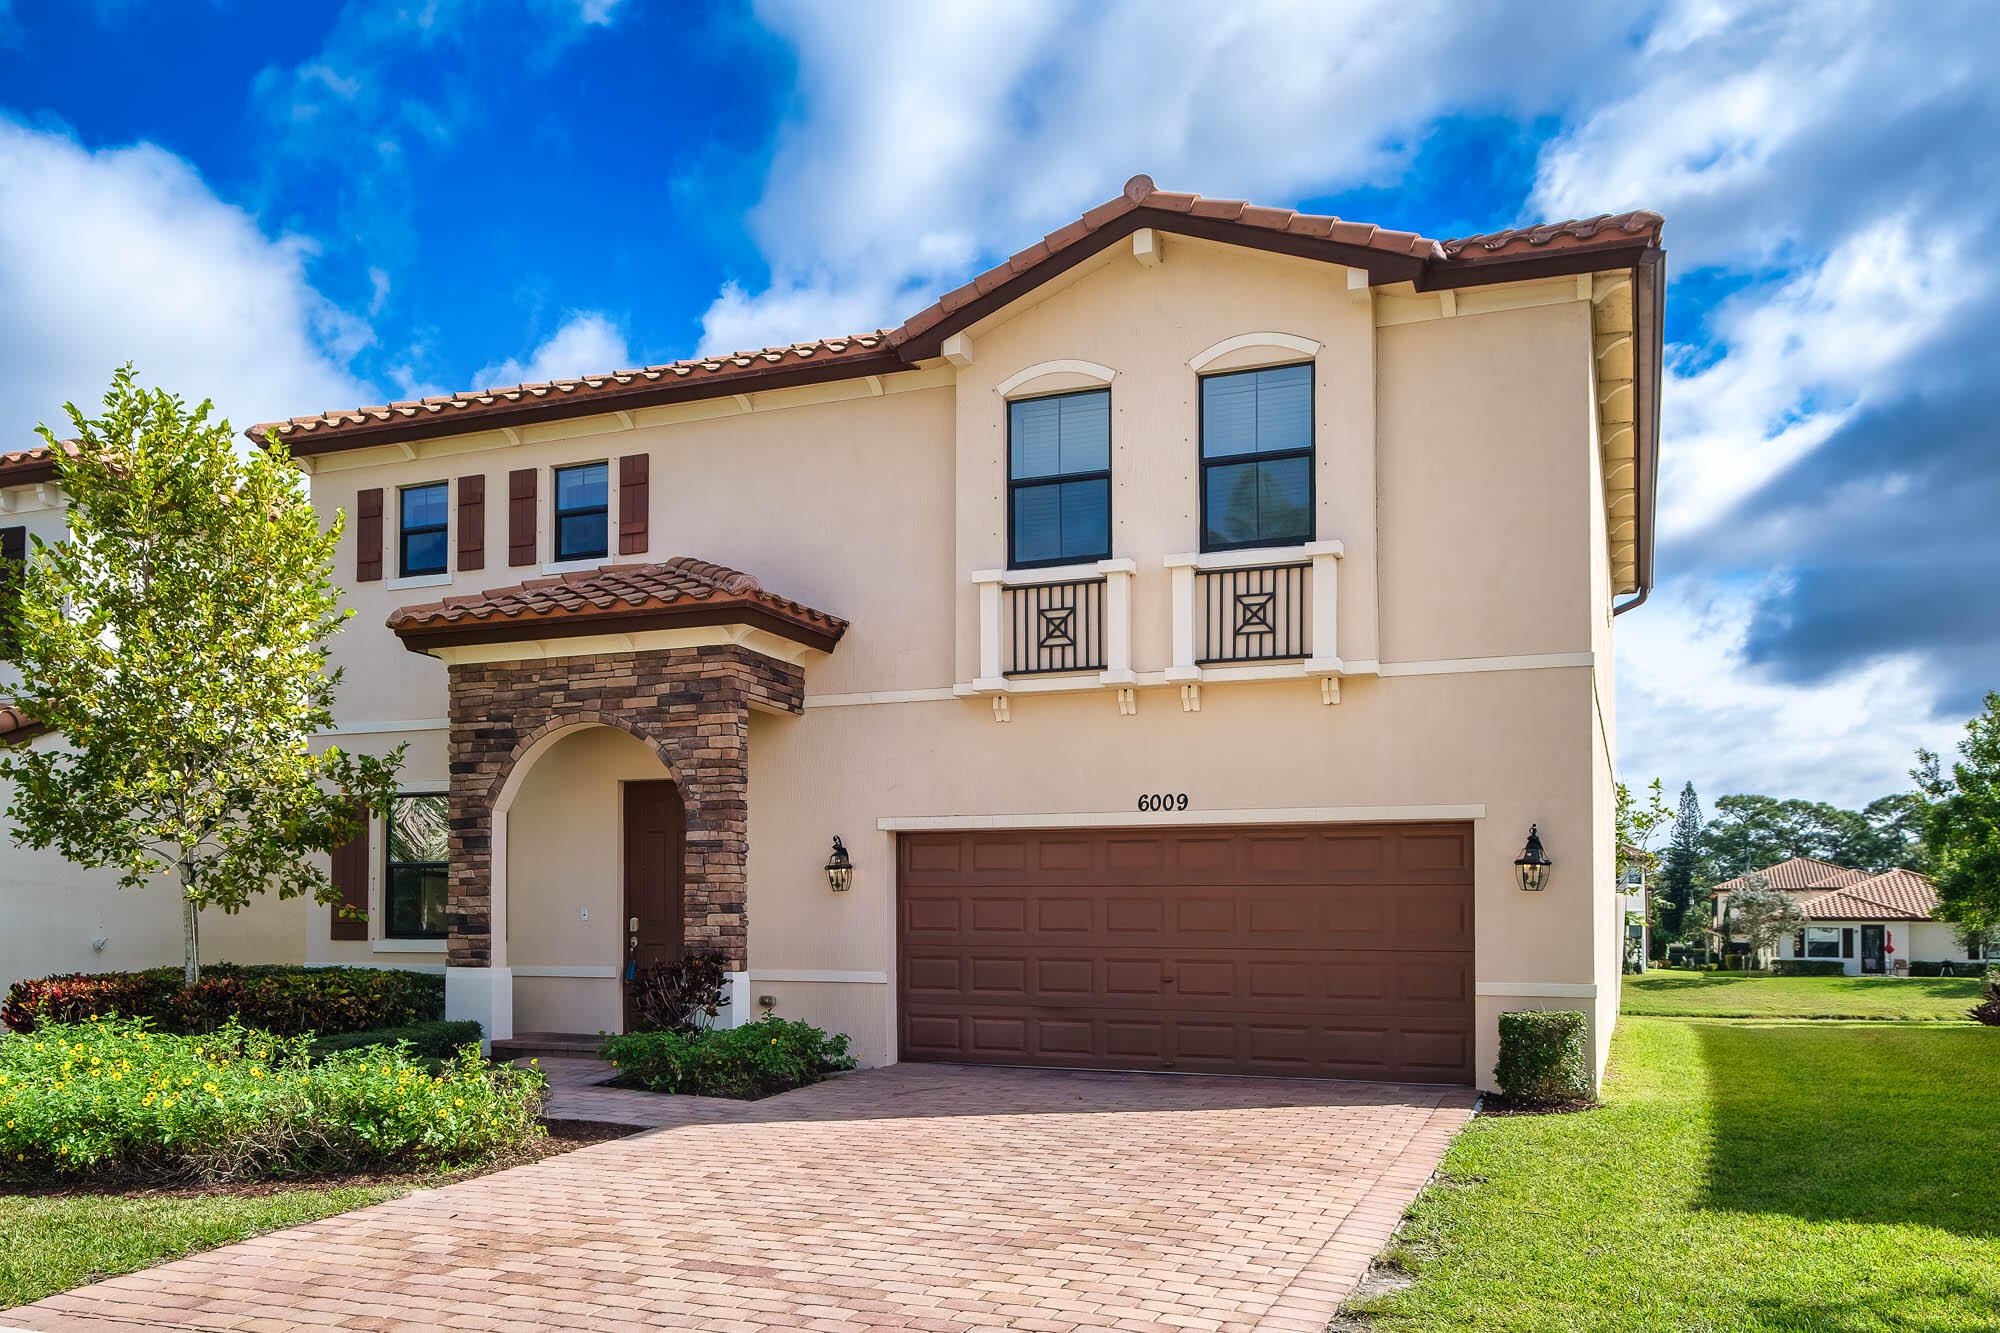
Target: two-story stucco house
x,y
1180,628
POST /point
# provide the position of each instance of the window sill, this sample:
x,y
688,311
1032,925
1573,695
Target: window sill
x,y
1247,556
407,946
575,566
418,581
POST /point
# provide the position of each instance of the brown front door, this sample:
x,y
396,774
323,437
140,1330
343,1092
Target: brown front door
x,y
1329,951
655,833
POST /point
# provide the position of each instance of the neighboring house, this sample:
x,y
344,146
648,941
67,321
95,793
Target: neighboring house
x,y
1870,923
1635,886
1180,626
53,916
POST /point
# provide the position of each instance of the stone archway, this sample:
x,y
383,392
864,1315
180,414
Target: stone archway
x,y
690,705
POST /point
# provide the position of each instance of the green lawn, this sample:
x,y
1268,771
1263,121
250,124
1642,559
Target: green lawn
x,y
1816,1178
1761,995
53,1244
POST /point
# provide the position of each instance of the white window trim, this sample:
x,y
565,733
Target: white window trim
x,y
610,555
418,581
1090,370
1281,348
576,566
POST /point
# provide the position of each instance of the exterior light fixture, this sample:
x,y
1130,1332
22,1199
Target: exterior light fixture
x,y
839,867
1531,867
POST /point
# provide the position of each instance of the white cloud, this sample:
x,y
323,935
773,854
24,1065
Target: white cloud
x,y
126,255
1691,705
936,136
587,344
595,11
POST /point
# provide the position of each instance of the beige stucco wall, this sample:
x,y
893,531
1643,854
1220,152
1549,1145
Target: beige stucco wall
x,y
1455,464
51,912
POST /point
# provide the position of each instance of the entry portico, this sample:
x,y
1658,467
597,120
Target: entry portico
x,y
673,656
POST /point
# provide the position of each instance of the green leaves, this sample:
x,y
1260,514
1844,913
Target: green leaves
x,y
177,640
1961,822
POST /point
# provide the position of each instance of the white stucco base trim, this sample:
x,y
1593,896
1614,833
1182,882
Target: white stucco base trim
x,y
1314,814
486,996
1565,990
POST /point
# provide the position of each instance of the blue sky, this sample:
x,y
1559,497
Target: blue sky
x,y
303,206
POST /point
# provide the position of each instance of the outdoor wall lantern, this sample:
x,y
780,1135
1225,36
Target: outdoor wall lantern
x,y
1531,867
839,867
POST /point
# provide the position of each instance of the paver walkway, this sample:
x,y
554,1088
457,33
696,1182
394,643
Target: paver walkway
x,y
916,1197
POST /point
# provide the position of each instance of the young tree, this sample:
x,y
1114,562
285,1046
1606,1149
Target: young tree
x,y
1763,915
176,638
1961,822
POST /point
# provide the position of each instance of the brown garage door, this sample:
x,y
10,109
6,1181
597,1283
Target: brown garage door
x,y
1330,951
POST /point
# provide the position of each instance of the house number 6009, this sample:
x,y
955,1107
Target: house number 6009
x,y
1166,800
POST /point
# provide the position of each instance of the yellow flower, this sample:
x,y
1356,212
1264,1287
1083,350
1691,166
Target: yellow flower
x,y
94,1060
456,1101
440,1113
208,1087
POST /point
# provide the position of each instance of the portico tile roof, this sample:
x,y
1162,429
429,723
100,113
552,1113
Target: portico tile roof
x,y
615,599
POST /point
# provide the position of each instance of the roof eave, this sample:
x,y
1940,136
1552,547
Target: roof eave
x,y
517,629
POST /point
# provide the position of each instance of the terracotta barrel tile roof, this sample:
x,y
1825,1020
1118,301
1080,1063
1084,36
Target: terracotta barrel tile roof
x,y
1829,892
1388,255
614,599
17,726
37,462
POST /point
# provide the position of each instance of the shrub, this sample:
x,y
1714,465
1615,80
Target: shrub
x,y
286,1000
1987,1011
426,1041
756,1060
1809,967
1542,1057
676,997
1948,967
115,1099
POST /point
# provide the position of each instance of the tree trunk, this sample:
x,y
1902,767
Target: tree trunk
x,y
190,932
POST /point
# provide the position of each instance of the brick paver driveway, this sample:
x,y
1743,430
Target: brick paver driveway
x,y
916,1197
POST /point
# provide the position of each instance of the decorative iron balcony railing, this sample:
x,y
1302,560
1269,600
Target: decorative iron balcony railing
x,y
1055,627
1255,613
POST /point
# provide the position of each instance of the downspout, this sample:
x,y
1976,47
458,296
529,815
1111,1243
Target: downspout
x,y
1649,283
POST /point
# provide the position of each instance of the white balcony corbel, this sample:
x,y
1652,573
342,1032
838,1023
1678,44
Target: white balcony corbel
x,y
1181,665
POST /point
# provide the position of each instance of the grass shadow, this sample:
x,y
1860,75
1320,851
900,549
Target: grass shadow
x,y
1891,1124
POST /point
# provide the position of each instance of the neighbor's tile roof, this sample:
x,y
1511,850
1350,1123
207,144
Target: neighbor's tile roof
x,y
682,586
1403,255
1895,895
1801,872
1829,892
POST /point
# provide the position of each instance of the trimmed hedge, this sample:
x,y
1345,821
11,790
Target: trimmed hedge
x,y
112,1100
1543,1060
1949,967
426,1041
1809,967
287,1001
758,1059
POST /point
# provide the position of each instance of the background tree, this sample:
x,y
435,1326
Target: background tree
x,y
176,639
1961,822
1684,867
1638,824
1761,914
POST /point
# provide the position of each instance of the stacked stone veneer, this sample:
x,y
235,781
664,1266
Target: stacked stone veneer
x,y
691,705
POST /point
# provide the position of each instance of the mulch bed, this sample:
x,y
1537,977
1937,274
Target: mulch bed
x,y
1494,1104
563,1136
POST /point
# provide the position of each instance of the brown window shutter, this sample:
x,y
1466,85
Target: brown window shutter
x,y
13,554
350,876
521,516
632,469
472,521
368,536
